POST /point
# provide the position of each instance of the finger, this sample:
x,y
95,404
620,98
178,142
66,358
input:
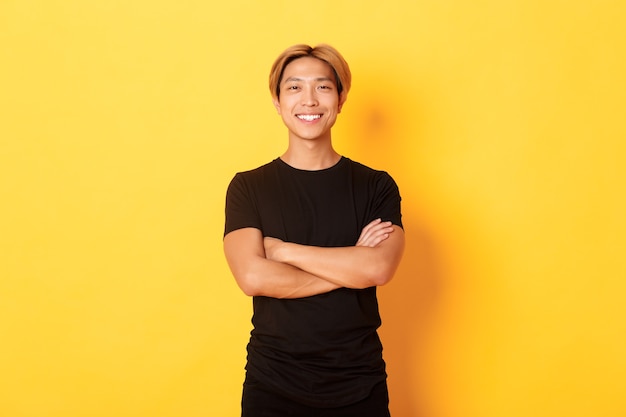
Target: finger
x,y
375,235
383,227
370,225
374,241
366,229
373,229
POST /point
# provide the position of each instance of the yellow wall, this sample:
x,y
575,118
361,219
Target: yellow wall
x,y
121,123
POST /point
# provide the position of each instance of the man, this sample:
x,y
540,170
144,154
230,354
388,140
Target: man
x,y
310,236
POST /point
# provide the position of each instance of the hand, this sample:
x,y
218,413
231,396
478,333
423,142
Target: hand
x,y
374,233
271,245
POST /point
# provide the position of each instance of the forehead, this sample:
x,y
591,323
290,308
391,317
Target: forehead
x,y
308,68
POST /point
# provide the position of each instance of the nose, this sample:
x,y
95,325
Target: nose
x,y
309,98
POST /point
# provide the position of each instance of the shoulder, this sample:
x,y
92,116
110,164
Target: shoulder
x,y
270,166
254,175
363,171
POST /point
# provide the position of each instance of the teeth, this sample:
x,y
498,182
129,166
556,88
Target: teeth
x,y
309,117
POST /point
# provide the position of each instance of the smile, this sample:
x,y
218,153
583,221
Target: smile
x,y
308,117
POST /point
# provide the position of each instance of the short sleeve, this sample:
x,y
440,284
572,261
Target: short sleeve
x,y
240,210
387,200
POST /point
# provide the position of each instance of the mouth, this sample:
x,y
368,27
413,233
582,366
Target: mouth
x,y
308,117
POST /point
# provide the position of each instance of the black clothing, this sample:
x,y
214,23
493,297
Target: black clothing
x,y
257,401
323,350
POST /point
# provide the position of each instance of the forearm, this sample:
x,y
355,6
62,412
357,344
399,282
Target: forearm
x,y
257,275
264,277
346,266
351,267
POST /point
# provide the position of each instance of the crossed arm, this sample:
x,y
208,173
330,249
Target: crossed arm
x,y
273,268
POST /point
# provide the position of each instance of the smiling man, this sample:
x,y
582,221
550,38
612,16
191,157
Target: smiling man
x,y
310,235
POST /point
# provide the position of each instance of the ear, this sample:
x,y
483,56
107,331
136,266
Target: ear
x,y
342,99
276,103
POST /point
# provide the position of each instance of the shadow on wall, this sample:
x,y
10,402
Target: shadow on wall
x,y
389,127
408,307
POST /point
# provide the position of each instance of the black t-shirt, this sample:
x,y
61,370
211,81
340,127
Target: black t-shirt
x,y
321,350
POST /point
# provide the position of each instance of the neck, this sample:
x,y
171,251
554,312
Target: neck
x,y
310,156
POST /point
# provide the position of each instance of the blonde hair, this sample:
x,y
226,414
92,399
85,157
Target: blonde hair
x,y
322,52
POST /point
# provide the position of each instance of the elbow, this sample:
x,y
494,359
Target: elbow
x,y
381,274
248,290
383,269
381,279
248,283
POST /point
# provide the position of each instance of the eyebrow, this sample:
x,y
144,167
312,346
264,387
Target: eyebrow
x,y
302,79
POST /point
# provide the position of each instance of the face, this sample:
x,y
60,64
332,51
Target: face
x,y
309,101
